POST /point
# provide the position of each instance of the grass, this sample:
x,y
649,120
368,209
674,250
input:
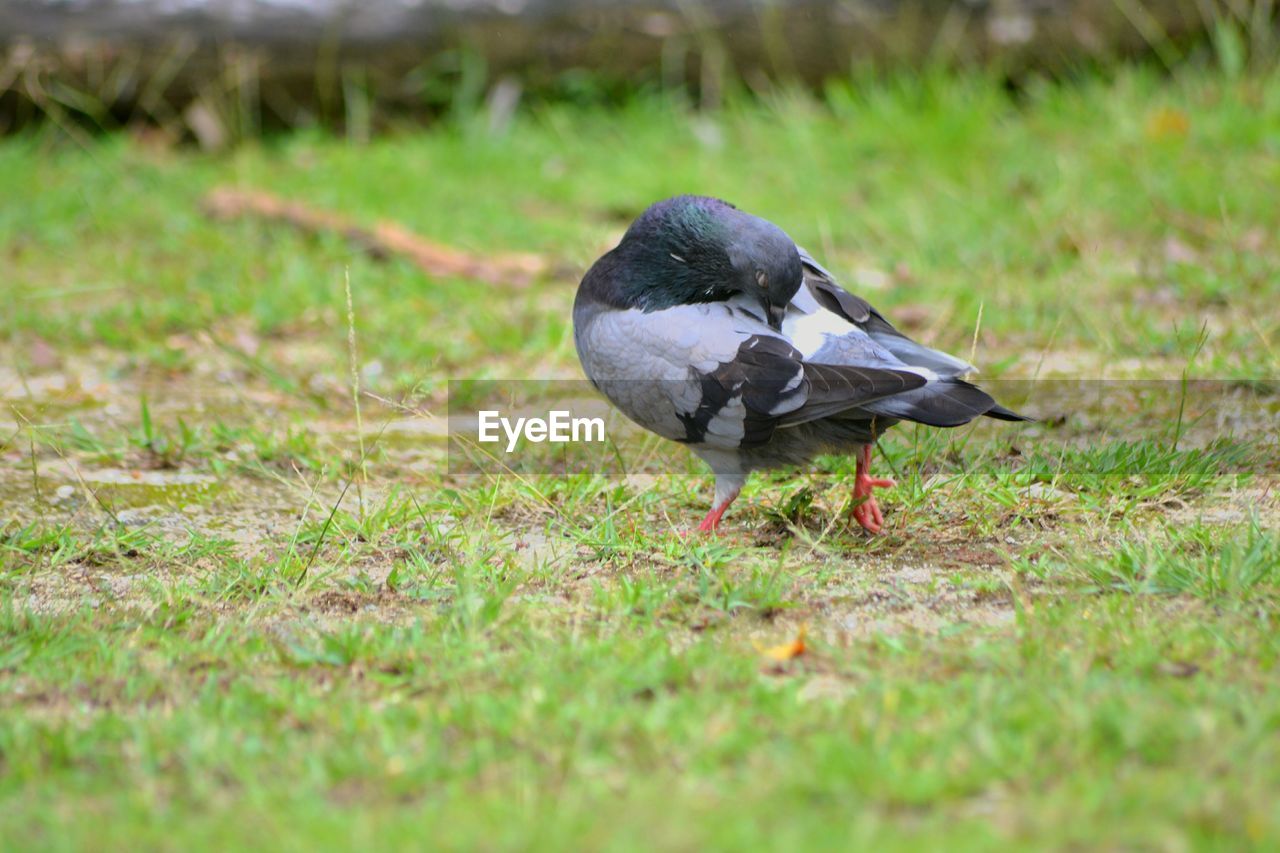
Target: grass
x,y
230,616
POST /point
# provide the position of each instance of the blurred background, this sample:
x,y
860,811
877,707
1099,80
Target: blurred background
x,y
1029,156
219,70
246,601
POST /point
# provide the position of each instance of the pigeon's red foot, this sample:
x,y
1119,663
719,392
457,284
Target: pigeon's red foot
x,y
711,524
866,511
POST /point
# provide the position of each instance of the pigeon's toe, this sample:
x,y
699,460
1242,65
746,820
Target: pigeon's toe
x,y
868,515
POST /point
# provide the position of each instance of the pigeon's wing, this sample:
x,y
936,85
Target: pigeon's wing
x,y
767,384
716,374
821,285
828,323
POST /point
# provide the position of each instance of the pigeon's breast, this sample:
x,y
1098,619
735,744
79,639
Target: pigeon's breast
x,y
650,364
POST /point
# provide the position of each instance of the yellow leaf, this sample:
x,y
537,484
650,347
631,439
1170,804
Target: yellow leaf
x,y
790,650
1166,122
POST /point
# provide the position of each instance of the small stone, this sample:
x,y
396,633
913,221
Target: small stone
x,y
1046,492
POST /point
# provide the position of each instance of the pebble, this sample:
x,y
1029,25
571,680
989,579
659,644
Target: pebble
x,y
1046,492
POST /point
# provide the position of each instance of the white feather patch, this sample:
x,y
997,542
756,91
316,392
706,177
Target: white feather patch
x,y
808,332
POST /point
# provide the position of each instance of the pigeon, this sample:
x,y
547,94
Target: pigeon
x,y
712,328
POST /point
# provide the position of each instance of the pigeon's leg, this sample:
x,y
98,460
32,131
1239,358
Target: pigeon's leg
x,y
727,488
711,523
866,512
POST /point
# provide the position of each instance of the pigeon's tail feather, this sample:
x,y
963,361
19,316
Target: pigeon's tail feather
x,y
948,403
1000,413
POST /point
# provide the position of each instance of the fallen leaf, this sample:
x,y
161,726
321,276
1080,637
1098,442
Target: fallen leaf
x,y
790,650
1166,123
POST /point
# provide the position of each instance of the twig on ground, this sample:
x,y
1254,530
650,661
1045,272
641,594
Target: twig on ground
x,y
382,240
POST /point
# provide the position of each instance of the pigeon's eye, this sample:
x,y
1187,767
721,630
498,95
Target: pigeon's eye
x,y
762,279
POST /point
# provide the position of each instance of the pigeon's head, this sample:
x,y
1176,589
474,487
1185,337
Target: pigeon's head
x,y
698,249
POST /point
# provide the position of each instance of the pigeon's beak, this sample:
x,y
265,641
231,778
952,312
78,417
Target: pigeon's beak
x,y
776,314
